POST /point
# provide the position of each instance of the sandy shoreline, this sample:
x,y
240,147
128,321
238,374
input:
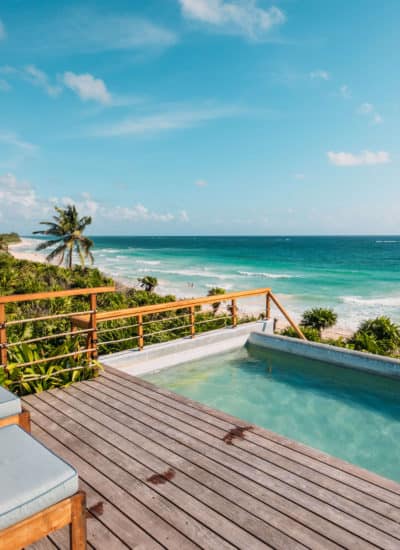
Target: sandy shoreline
x,y
246,307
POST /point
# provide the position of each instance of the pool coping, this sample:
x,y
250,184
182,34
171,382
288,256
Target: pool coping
x,y
359,360
183,350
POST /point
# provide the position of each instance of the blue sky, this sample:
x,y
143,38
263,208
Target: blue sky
x,y
201,116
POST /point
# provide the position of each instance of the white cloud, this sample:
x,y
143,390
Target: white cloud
x,y
201,183
345,91
166,120
20,198
365,158
4,85
87,87
319,75
369,110
39,78
243,17
3,33
299,176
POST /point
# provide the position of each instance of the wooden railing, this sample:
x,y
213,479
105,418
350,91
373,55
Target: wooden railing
x,y
87,322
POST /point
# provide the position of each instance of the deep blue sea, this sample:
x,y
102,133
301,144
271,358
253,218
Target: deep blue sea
x,y
358,276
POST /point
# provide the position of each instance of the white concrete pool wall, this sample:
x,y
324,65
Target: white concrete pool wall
x,y
385,366
176,352
183,350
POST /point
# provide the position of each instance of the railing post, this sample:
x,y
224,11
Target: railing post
x,y
192,322
92,340
3,336
234,313
268,306
140,331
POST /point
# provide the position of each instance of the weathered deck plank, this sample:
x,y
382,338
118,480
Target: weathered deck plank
x,y
264,491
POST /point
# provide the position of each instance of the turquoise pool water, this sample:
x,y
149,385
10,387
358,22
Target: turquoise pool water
x,y
346,413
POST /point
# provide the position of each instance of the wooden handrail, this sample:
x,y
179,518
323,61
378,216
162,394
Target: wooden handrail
x,y
13,298
89,319
286,314
81,320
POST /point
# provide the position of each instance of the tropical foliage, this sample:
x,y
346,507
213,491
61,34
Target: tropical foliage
x,y
21,276
148,283
319,318
66,231
379,335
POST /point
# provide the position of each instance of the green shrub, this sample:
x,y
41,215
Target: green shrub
x,y
319,318
310,333
379,335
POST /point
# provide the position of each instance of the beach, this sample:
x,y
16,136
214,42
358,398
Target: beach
x,y
358,277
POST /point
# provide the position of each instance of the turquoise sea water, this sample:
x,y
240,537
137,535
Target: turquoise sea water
x,y
358,276
346,413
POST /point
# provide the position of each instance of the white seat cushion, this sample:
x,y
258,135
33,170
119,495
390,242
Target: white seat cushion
x,y
32,478
10,404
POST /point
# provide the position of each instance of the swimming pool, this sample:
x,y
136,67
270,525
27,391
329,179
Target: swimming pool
x,y
347,413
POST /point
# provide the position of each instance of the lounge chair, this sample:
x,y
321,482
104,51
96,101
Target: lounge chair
x,y
38,493
11,411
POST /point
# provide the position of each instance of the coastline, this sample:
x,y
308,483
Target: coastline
x,y
23,251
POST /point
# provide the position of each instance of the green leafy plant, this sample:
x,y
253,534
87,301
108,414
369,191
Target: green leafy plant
x,y
312,334
148,283
379,335
319,318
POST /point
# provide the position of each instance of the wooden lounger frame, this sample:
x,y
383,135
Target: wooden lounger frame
x,y
70,511
23,419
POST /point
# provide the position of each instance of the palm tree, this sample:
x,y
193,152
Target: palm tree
x,y
148,283
67,228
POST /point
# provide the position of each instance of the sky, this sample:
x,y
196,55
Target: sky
x,y
201,117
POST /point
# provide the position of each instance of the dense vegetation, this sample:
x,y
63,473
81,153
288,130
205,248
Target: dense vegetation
x,y
6,239
380,335
21,277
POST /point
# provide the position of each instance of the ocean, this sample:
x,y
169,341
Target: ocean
x,y
358,276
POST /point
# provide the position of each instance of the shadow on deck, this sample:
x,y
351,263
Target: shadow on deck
x,y
261,491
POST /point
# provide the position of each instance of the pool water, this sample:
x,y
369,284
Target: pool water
x,y
347,413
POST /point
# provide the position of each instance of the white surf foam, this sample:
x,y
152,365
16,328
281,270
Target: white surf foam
x,y
267,275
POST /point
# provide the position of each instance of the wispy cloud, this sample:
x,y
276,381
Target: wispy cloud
x,y
34,76
369,110
13,140
91,31
19,196
345,91
4,85
201,183
241,17
87,87
167,120
39,78
365,158
320,75
3,33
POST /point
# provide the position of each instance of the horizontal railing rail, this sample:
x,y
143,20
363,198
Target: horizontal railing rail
x,y
148,322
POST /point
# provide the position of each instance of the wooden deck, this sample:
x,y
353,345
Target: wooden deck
x,y
263,491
